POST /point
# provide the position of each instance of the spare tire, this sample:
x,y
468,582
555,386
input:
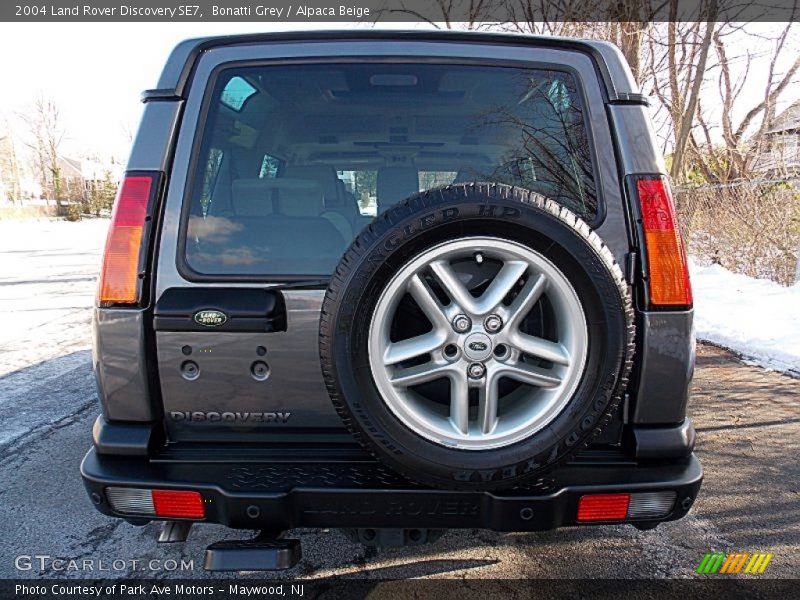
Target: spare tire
x,y
475,336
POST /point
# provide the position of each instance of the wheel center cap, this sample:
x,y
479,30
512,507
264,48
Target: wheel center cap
x,y
478,346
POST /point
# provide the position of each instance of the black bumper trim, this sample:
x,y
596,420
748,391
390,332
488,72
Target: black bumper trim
x,y
664,442
368,495
121,439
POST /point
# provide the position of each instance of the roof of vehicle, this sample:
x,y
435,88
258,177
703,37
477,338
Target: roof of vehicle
x,y
612,68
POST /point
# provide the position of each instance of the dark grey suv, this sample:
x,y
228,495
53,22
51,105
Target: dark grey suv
x,y
392,283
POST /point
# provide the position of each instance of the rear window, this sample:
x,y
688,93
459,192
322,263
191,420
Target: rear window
x,y
296,159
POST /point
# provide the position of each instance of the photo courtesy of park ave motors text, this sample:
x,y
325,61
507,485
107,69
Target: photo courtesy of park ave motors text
x,y
337,300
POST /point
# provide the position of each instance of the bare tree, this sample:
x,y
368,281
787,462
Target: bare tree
x,y
47,133
625,23
9,167
675,49
128,129
744,128
677,59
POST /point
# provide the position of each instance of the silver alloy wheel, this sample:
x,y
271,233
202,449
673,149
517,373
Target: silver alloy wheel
x,y
547,372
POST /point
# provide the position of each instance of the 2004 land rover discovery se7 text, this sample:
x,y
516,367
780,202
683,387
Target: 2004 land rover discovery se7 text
x,y
392,283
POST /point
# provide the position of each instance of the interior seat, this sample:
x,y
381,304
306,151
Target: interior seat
x,y
395,184
252,197
323,175
279,220
334,207
349,207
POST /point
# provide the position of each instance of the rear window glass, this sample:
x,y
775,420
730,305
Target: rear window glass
x,y
295,160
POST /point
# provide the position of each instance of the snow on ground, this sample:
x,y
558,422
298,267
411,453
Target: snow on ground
x,y
757,318
48,270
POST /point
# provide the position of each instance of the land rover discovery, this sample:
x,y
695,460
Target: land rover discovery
x,y
392,283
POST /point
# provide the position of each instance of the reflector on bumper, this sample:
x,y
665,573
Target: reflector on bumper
x,y
131,500
603,507
182,504
651,505
625,507
157,503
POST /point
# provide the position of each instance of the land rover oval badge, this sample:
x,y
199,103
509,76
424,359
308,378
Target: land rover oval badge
x,y
210,318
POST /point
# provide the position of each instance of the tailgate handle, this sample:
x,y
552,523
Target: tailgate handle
x,y
220,309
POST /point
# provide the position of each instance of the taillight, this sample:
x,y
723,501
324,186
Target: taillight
x,y
119,276
667,267
179,504
626,507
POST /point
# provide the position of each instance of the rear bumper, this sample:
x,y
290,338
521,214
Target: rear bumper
x,y
363,493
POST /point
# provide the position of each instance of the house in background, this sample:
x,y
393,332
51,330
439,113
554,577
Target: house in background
x,y
79,176
71,174
780,154
96,172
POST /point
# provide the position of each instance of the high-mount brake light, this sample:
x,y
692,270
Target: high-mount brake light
x,y
119,277
667,267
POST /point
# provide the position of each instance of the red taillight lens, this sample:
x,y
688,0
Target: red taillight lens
x,y
181,504
119,277
186,504
667,268
640,506
603,507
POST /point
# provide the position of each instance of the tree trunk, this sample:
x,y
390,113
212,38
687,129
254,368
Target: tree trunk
x,y
688,116
797,267
630,44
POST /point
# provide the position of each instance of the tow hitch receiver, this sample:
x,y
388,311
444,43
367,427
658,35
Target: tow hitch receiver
x,y
265,552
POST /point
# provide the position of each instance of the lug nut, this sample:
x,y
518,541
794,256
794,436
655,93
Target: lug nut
x,y
476,370
461,323
493,324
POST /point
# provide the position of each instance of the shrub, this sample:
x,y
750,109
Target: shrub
x,y
751,228
73,211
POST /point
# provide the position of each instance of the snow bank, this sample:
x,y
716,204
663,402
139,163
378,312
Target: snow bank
x,y
757,318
